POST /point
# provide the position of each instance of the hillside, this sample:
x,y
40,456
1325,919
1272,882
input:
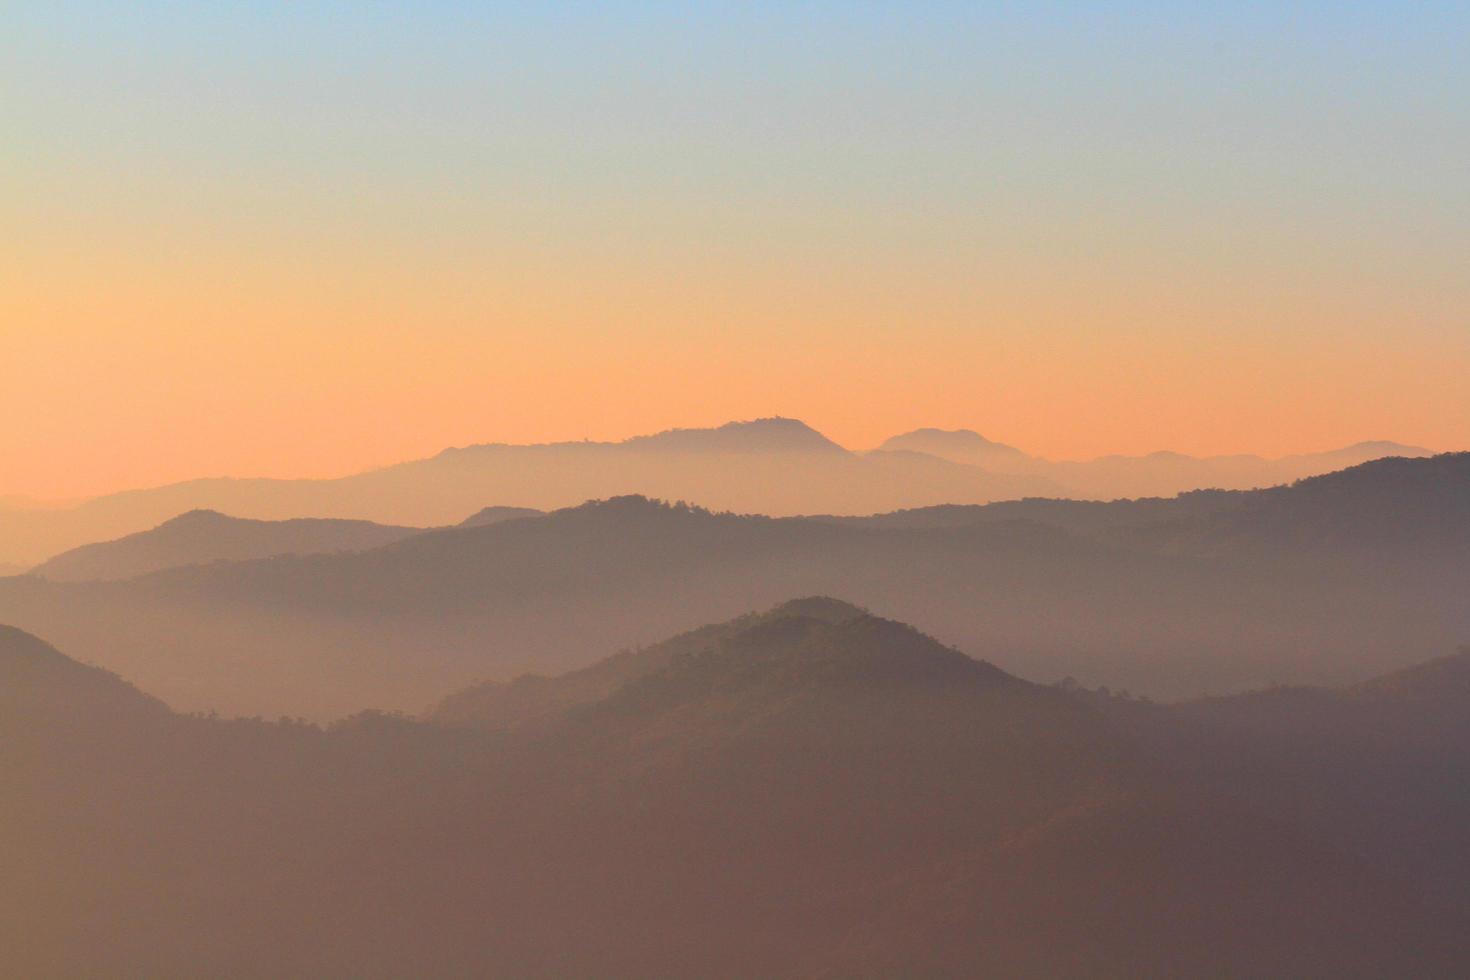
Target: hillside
x,y
36,681
533,698
807,792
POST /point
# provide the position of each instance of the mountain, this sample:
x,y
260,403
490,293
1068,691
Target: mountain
x,y
534,698
1158,474
205,536
494,515
772,435
1378,763
1329,580
39,683
773,466
808,792
960,446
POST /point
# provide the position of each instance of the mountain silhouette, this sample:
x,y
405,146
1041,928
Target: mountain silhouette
x,y
534,698
494,515
959,445
773,466
1325,581
811,791
1151,475
204,536
761,435
38,681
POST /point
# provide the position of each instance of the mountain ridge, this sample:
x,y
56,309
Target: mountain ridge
x,y
203,535
776,466
1343,577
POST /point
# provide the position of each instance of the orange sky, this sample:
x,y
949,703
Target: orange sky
x,y
240,244
167,368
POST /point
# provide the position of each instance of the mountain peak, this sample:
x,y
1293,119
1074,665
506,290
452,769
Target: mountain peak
x,y
790,653
199,516
774,434
824,608
958,445
498,514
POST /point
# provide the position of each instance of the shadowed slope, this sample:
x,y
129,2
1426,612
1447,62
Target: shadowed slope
x,y
808,792
38,681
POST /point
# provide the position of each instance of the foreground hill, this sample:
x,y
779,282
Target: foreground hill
x,y
1380,762
1322,582
810,792
204,536
36,680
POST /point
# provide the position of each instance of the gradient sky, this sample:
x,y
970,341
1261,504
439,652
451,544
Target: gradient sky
x,y
304,239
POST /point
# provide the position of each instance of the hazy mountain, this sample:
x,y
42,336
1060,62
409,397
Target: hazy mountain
x,y
494,515
808,792
773,435
770,466
1157,474
205,536
1323,582
535,698
961,446
1378,764
37,680
773,466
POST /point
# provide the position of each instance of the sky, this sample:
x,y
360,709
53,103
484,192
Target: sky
x,y
308,239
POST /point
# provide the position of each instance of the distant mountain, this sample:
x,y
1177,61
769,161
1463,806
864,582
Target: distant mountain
x,y
1326,581
959,445
205,536
494,515
774,466
808,792
1158,474
772,435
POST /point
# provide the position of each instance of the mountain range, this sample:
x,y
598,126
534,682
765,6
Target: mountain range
x,y
1323,581
772,466
811,791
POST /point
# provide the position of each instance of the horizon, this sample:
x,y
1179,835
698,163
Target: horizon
x,y
307,243
23,500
